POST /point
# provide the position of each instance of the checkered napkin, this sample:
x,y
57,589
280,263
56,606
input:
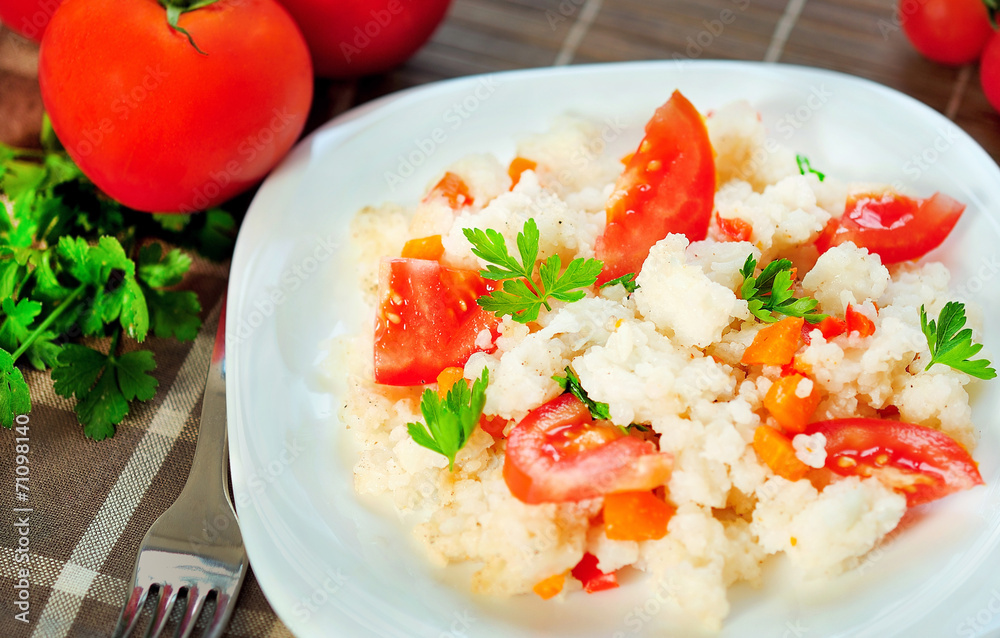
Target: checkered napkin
x,y
68,543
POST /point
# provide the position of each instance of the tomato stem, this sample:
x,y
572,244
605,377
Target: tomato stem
x,y
174,10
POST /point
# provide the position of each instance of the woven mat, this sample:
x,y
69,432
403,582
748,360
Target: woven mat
x,y
90,503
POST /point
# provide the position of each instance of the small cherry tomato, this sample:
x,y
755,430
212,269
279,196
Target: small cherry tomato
x,y
989,71
351,38
28,17
947,31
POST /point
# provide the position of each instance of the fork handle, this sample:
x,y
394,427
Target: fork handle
x,y
211,455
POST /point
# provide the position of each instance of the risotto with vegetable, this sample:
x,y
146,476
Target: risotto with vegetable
x,y
683,361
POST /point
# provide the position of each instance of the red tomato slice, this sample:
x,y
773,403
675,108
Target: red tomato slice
x,y
668,186
558,453
428,320
592,578
895,227
919,462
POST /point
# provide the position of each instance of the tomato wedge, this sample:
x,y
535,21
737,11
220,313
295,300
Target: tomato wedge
x,y
559,453
895,227
428,320
919,462
668,186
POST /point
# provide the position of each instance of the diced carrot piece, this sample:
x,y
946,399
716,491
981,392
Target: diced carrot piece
x,y
454,189
424,248
776,344
775,449
857,322
735,229
636,516
791,411
517,166
447,378
591,577
550,586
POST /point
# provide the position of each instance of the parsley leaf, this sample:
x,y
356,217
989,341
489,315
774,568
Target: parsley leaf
x,y
805,168
75,263
14,398
43,353
174,313
211,233
950,342
521,296
627,281
571,383
771,292
450,422
18,318
159,270
103,384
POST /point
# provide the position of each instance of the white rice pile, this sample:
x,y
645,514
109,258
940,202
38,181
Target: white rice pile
x,y
668,356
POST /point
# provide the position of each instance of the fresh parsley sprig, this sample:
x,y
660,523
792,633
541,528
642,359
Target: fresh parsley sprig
x,y
522,296
75,264
771,292
805,168
950,343
627,281
450,422
571,383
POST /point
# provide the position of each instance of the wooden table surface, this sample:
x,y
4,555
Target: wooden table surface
x,y
860,37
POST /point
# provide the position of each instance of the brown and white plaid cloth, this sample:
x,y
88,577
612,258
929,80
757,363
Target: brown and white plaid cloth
x,y
88,504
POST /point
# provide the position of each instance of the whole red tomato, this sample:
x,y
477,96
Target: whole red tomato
x,y
946,31
28,17
989,71
351,38
156,124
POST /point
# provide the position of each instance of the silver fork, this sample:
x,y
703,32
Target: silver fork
x,y
195,546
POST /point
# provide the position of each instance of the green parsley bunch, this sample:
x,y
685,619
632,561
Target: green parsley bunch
x,y
77,266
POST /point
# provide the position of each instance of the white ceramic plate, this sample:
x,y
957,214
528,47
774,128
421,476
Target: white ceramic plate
x,y
333,566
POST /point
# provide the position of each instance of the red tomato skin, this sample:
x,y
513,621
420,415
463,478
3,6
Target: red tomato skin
x,y
895,227
439,320
951,32
28,17
535,475
941,465
989,71
591,577
351,38
666,188
157,125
